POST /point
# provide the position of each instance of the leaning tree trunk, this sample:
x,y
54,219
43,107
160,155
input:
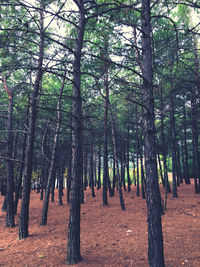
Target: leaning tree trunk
x,y
73,252
53,159
155,237
24,216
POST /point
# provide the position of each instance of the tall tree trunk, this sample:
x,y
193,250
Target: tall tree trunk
x,y
187,178
164,150
73,252
69,166
137,154
173,136
99,168
91,164
10,221
122,149
86,168
105,156
116,162
24,216
127,158
155,237
60,186
52,172
195,139
142,172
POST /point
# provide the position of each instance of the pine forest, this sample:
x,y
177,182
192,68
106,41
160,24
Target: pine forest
x,y
99,133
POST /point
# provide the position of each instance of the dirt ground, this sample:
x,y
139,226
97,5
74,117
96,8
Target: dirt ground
x,y
109,236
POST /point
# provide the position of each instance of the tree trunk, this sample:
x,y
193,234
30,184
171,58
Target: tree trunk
x,y
164,151
99,168
52,172
69,166
85,168
187,178
10,221
173,136
116,162
91,164
195,139
105,156
24,216
155,237
73,252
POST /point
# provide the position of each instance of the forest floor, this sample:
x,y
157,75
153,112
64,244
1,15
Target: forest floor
x,y
109,237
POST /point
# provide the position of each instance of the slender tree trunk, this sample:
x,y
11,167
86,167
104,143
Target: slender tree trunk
x,y
52,171
127,160
164,151
69,166
19,182
24,216
53,181
142,173
105,156
91,164
134,178
116,161
123,164
99,168
155,237
187,178
195,116
173,137
195,139
73,252
86,169
10,221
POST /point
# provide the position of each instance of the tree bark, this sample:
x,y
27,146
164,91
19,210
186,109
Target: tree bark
x,y
116,162
155,237
24,216
173,137
52,171
10,221
73,252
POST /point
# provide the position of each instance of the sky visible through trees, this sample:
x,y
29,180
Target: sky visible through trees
x,y
99,94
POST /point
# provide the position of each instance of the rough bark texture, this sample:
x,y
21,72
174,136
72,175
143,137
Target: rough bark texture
x,y
73,252
24,216
155,237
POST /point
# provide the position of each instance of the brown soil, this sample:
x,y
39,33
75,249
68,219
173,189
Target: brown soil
x,y
109,236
